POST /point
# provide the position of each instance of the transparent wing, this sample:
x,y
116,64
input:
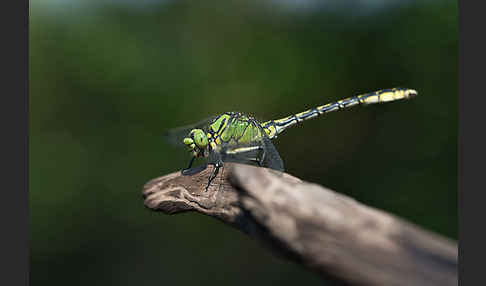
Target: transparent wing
x,y
249,154
259,153
176,135
272,159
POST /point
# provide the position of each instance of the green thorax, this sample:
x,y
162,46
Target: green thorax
x,y
235,128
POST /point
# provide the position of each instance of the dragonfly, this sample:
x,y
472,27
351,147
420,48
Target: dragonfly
x,y
238,137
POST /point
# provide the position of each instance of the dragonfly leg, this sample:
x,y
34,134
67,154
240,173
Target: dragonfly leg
x,y
261,160
221,178
184,171
214,174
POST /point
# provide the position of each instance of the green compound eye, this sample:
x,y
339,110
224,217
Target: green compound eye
x,y
200,138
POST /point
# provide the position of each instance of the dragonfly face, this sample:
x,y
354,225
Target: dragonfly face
x,y
197,142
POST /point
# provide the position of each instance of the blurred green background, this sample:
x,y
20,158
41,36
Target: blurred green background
x,y
108,78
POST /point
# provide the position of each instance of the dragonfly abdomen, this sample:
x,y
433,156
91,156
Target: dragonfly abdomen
x,y
275,127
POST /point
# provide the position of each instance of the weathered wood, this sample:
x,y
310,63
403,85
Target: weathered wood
x,y
335,235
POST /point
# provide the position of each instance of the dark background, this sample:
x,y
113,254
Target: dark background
x,y
106,80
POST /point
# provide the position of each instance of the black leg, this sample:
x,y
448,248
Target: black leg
x,y
214,174
260,162
184,171
221,178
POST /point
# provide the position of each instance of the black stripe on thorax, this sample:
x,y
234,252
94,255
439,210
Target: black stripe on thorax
x,y
221,125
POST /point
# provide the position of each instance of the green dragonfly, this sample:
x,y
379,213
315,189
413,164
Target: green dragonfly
x,y
237,137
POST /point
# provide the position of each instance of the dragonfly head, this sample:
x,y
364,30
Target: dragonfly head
x,y
197,142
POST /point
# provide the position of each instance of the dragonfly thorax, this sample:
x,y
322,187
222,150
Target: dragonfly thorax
x,y
225,130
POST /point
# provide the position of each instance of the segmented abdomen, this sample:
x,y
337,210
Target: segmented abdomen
x,y
275,127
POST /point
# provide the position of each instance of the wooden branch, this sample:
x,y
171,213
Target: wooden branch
x,y
328,232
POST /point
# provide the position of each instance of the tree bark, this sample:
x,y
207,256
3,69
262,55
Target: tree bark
x,y
338,237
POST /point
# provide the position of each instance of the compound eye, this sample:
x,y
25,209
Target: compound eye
x,y
200,138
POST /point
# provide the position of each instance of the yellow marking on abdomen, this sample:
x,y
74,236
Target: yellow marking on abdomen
x,y
349,102
371,99
326,108
385,95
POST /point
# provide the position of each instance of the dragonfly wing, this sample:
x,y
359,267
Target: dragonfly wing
x,y
249,154
258,153
175,136
272,159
